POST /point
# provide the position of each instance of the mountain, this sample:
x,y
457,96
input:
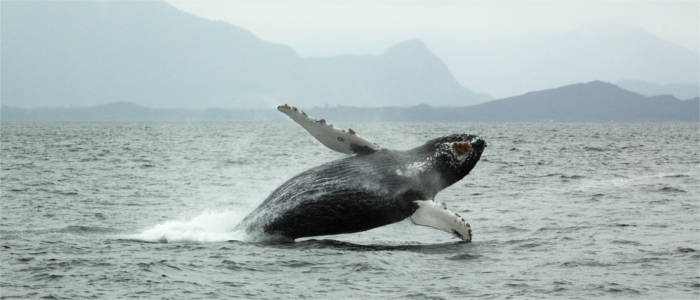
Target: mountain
x,y
604,52
678,90
594,101
130,112
366,80
86,53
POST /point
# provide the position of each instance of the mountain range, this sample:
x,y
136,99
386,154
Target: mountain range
x,y
87,53
149,61
611,53
594,101
678,90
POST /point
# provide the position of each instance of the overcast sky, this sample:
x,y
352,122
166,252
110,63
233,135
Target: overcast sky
x,y
333,27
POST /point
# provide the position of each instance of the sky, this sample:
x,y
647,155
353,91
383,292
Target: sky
x,y
449,28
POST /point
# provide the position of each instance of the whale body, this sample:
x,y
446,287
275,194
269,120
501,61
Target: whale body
x,y
370,189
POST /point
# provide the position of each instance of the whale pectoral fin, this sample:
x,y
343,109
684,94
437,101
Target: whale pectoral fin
x,y
432,214
343,141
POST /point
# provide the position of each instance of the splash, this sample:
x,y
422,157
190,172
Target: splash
x,y
210,226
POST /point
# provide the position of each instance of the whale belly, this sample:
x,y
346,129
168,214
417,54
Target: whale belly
x,y
343,211
344,196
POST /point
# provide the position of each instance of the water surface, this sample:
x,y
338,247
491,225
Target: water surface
x,y
113,210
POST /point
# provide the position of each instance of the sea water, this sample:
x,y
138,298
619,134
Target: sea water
x,y
122,210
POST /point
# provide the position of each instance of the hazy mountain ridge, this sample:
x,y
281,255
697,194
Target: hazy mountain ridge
x,y
594,101
130,112
152,54
79,61
679,90
603,52
366,80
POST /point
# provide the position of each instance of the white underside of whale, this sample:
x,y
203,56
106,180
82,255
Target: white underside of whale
x,y
336,139
434,215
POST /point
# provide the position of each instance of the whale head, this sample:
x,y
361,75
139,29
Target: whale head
x,y
453,156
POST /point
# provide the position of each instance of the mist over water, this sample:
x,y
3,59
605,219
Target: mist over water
x,y
148,210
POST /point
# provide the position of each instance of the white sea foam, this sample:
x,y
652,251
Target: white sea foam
x,y
210,226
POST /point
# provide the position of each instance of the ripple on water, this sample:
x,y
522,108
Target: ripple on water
x,y
616,289
677,176
596,149
237,266
86,229
465,256
671,189
295,263
586,263
627,242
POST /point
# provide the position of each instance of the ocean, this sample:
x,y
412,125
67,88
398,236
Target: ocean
x,y
558,210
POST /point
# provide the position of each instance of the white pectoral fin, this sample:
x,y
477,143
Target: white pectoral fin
x,y
343,141
432,214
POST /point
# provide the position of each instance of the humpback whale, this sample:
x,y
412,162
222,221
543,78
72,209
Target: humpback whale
x,y
371,187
